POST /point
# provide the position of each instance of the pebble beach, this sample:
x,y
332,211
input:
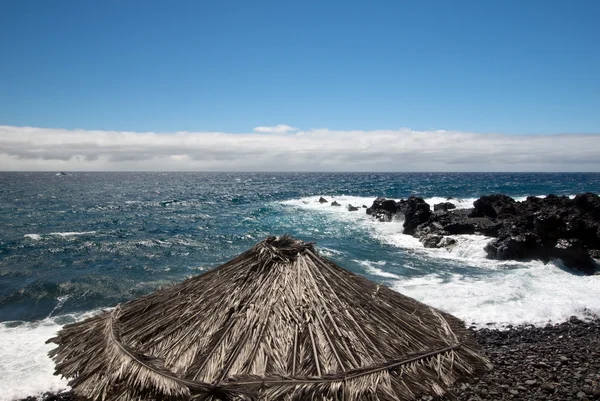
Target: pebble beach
x,y
556,362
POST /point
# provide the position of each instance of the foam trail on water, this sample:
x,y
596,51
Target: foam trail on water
x,y
72,233
26,368
35,237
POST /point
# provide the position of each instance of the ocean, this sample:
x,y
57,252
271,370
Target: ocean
x,y
73,244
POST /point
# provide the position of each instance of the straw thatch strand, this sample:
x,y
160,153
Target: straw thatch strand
x,y
278,322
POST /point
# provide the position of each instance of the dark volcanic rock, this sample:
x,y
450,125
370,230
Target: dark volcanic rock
x,y
493,206
548,228
437,241
444,206
589,203
352,208
323,200
575,255
454,222
383,209
431,240
334,203
512,248
415,210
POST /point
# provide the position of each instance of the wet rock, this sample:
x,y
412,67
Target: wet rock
x,y
575,255
382,209
431,241
323,200
352,208
444,206
415,210
510,248
334,203
493,206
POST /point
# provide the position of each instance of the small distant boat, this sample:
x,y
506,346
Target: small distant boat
x,y
61,173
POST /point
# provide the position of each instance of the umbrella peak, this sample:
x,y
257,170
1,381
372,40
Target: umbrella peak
x,y
281,249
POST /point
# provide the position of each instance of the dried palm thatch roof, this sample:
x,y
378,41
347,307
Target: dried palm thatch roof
x,y
278,322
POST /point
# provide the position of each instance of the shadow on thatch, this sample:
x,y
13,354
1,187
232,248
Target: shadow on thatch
x,y
277,322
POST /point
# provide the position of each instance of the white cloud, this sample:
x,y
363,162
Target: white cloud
x,y
278,129
26,148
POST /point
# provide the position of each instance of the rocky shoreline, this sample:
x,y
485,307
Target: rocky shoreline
x,y
556,362
554,227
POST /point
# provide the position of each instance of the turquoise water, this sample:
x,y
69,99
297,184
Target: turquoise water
x,y
88,240
72,244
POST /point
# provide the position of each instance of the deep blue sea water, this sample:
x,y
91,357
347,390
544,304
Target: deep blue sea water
x,y
72,244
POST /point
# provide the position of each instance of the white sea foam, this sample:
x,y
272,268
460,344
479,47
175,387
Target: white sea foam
x,y
72,233
24,362
35,237
61,301
460,203
328,252
533,294
374,268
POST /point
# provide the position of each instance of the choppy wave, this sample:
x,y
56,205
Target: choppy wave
x,y
38,237
532,294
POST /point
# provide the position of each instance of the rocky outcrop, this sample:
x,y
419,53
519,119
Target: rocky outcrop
x,y
414,210
323,200
537,228
334,203
352,208
493,206
549,228
382,209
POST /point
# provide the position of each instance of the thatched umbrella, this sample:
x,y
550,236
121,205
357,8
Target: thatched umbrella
x,y
278,322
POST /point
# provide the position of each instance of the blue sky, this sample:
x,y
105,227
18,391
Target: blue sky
x,y
300,85
512,67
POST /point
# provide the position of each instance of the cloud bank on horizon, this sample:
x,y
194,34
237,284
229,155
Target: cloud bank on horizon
x,y
284,148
